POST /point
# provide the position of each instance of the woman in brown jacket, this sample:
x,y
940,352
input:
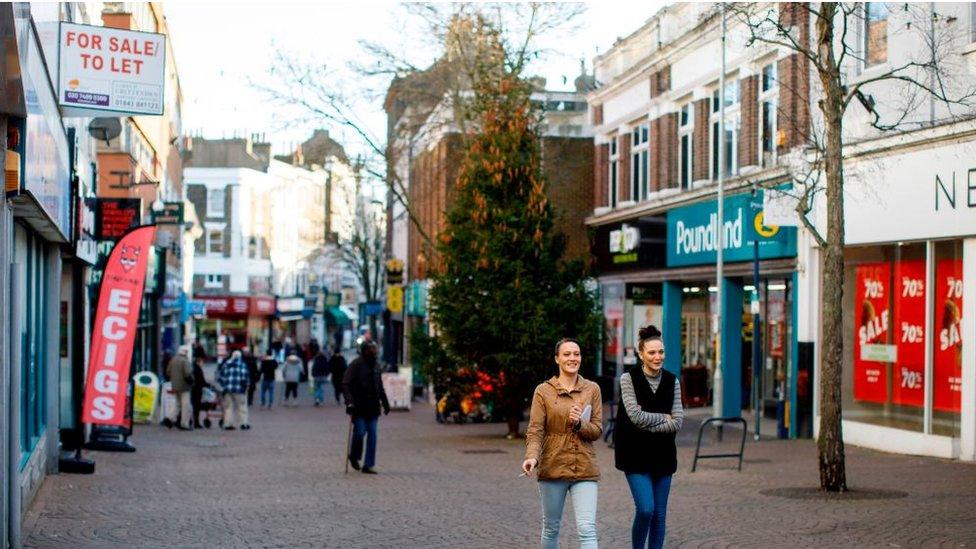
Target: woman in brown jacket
x,y
566,417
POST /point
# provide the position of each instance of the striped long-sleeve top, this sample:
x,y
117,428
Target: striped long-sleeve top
x,y
655,423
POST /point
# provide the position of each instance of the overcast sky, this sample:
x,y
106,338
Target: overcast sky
x,y
221,48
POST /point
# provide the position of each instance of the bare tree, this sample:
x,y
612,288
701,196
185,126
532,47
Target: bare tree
x,y
831,56
321,93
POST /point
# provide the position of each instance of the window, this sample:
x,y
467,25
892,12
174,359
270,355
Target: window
x,y
730,141
768,104
213,281
875,33
972,22
639,164
215,241
215,202
686,129
614,161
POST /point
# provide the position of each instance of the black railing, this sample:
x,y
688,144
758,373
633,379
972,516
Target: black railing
x,y
721,421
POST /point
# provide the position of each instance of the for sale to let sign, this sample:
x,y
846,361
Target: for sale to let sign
x,y
106,69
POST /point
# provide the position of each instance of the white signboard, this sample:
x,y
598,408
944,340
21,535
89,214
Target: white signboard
x,y
912,195
105,69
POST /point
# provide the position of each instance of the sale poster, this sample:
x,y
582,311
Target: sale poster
x,y
871,331
908,387
947,367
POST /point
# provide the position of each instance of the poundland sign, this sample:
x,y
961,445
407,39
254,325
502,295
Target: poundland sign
x,y
693,233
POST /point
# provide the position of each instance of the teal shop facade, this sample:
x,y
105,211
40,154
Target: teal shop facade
x,y
660,269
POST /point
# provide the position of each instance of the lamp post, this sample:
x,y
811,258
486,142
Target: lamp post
x,y
329,163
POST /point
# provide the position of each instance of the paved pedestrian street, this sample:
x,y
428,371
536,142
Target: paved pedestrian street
x,y
282,485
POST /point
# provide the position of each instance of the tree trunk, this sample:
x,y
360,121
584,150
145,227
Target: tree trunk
x,y
830,444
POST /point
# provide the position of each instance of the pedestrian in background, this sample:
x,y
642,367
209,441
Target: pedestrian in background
x,y
251,362
234,379
320,375
363,388
269,367
337,367
292,373
196,392
559,444
647,424
180,375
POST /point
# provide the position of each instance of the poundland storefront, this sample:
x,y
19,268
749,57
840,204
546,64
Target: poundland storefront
x,y
660,269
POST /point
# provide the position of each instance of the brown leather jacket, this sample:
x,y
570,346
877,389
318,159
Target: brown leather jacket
x,y
562,452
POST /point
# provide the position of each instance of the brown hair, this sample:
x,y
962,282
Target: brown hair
x,y
648,333
565,340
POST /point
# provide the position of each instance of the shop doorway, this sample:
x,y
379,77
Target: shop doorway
x,y
772,380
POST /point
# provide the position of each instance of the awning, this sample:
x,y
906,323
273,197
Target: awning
x,y
335,316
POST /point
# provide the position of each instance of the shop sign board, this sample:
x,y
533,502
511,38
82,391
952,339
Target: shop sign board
x,y
262,306
912,195
85,238
908,387
172,214
46,152
417,298
633,244
333,299
871,332
291,304
394,299
947,368
394,271
115,216
107,69
225,305
692,233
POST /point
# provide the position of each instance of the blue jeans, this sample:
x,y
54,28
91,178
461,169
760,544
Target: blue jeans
x,y
553,493
267,389
362,426
319,389
651,502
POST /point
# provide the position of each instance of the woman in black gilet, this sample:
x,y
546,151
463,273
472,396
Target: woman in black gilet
x,y
648,419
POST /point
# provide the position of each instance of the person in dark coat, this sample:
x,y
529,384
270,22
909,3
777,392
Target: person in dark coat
x,y
363,388
320,375
251,362
196,391
337,367
268,368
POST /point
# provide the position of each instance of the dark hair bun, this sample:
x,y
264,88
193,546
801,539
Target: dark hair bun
x,y
648,332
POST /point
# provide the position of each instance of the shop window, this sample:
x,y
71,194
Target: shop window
x,y
886,374
875,33
639,137
730,141
31,297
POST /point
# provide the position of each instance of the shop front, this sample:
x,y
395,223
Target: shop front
x,y
910,264
660,269
235,322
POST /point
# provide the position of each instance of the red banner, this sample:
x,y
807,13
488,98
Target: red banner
x,y
873,321
114,330
908,388
947,373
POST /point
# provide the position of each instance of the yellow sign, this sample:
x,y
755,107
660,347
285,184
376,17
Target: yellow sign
x,y
394,299
762,229
144,397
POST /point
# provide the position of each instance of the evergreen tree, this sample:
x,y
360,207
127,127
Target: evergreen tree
x,y
501,294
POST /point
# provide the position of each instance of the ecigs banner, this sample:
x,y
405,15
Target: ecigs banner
x,y
908,388
873,320
947,370
114,330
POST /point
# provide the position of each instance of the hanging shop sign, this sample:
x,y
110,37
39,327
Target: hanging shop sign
x,y
394,299
947,371
333,299
394,271
85,237
171,214
634,244
116,318
291,304
908,387
871,332
107,69
115,216
416,298
692,233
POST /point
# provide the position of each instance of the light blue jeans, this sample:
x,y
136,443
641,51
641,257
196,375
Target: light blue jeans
x,y
320,389
553,493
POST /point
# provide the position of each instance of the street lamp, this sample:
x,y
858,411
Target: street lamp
x,y
329,163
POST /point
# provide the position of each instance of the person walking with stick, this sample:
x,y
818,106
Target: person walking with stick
x,y
363,388
566,417
647,424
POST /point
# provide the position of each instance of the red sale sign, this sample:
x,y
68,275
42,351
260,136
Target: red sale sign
x,y
114,330
872,326
947,369
908,388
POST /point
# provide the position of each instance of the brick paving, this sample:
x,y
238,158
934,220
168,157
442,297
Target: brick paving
x,y
282,485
